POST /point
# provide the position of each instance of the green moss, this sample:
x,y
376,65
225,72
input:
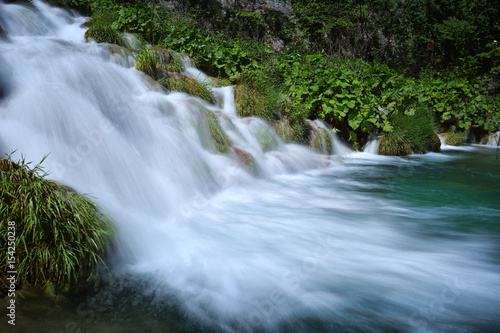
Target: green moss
x,y
190,86
267,139
60,235
294,116
211,132
220,82
284,130
321,141
168,60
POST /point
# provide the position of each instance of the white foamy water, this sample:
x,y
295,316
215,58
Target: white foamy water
x,y
276,245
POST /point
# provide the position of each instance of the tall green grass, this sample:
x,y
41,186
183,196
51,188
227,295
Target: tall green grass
x,y
60,235
412,134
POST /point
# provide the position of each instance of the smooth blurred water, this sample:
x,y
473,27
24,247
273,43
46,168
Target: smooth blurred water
x,y
302,243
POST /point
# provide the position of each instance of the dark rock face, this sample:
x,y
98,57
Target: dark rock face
x,y
4,79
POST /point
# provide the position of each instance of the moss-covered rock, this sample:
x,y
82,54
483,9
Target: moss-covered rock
x,y
284,130
58,235
320,139
188,85
210,131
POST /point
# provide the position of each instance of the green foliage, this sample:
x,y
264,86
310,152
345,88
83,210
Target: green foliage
x,y
215,55
344,93
353,96
59,234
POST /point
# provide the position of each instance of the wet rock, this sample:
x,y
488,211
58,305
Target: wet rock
x,y
244,157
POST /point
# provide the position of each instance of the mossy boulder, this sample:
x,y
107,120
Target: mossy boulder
x,y
59,235
320,139
160,63
188,85
210,131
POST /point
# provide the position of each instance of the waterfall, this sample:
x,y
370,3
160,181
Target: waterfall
x,y
149,158
324,140
372,145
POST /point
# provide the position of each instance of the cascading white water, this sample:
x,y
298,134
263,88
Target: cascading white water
x,y
137,151
233,250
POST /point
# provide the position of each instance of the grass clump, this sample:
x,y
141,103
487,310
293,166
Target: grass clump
x,y
101,29
189,86
255,95
454,138
393,144
146,63
412,134
60,235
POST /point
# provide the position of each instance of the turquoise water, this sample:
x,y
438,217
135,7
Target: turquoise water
x,y
370,244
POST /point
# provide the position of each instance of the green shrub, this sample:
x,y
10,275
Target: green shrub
x,y
60,235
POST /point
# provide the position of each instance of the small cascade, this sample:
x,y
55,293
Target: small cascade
x,y
492,139
372,145
324,140
442,138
